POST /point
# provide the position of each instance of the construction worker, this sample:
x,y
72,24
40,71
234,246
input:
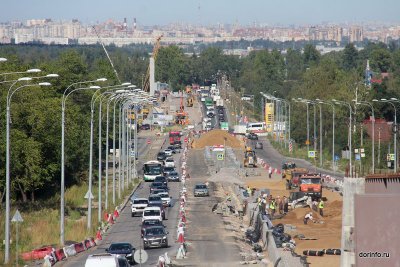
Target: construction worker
x,y
307,217
321,207
272,207
248,191
270,172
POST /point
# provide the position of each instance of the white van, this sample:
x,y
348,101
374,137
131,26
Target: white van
x,y
152,213
103,260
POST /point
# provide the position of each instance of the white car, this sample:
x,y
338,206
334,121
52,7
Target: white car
x,y
104,259
166,199
169,162
152,213
168,152
138,205
203,99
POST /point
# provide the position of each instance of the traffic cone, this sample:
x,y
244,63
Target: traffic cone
x,y
98,234
183,218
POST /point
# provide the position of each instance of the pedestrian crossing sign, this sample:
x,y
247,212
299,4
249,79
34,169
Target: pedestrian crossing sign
x,y
311,154
220,156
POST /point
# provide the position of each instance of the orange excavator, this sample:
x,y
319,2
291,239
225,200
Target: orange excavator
x,y
181,117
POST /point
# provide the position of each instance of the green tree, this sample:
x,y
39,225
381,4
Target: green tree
x,y
311,55
350,57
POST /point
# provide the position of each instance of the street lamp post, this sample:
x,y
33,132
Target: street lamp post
x,y
10,93
373,130
349,136
395,127
333,130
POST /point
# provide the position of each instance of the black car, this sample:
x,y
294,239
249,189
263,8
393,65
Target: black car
x,y
161,156
173,176
155,236
252,136
159,204
167,170
157,185
145,127
173,148
161,179
154,199
150,223
122,249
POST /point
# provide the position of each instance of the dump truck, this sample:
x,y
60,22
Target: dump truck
x,y
292,176
189,101
311,185
250,158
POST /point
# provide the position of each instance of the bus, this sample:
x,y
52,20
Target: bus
x,y
256,127
151,169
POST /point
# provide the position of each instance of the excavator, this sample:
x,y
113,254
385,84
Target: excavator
x,y
250,158
189,96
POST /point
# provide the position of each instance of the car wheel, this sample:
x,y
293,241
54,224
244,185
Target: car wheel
x,y
166,244
132,214
145,247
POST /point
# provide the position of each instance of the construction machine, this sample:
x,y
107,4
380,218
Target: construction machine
x,y
250,158
292,176
311,185
189,100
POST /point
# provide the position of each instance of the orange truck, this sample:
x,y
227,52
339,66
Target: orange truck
x,y
311,185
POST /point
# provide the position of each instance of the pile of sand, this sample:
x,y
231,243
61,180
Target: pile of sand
x,y
216,137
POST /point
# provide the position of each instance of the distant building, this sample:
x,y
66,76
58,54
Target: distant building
x,y
356,34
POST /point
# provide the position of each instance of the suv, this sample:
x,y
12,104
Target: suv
x,y
159,205
152,213
200,190
157,185
138,205
161,156
173,176
169,162
149,223
155,236
259,145
166,199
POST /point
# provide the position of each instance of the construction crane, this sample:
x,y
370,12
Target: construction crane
x,y
146,81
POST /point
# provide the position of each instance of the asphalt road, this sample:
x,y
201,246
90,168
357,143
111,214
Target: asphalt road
x,y
272,156
210,243
127,229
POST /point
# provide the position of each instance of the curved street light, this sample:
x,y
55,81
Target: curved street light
x,y
343,103
10,93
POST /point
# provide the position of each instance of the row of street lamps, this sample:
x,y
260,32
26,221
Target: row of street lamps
x,y
126,97
332,103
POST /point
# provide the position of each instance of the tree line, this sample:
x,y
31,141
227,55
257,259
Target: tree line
x,y
36,113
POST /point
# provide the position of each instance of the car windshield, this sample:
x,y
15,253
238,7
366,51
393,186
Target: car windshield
x,y
140,201
154,198
201,186
310,181
170,160
151,222
155,231
151,213
173,173
161,154
157,184
163,195
168,169
158,191
120,247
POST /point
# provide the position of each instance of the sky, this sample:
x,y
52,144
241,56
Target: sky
x,y
204,12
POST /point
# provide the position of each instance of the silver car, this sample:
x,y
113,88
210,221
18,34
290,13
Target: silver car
x,y
200,190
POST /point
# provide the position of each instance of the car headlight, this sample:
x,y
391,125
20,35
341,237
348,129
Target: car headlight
x,y
129,255
164,237
145,239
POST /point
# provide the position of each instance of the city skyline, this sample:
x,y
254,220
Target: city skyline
x,y
204,12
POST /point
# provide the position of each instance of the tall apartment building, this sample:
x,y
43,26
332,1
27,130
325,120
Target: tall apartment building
x,y
356,34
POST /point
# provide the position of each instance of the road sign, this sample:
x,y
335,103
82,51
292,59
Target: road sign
x,y
358,156
132,153
17,217
311,154
89,194
140,256
390,157
337,157
290,146
224,126
220,156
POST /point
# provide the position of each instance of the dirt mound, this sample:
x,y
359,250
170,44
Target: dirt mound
x,y
216,137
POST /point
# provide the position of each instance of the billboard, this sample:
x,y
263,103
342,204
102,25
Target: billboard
x,y
269,117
